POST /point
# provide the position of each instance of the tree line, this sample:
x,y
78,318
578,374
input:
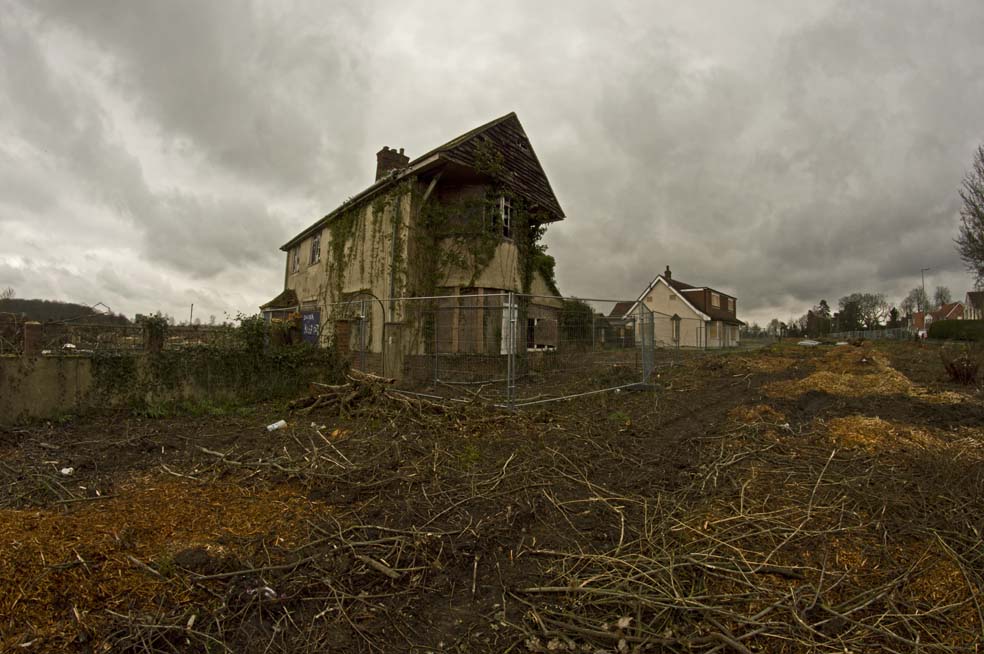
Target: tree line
x,y
855,312
859,311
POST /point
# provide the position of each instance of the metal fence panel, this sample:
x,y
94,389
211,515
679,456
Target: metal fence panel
x,y
508,349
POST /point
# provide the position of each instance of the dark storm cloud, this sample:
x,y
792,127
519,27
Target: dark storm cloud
x,y
785,152
253,89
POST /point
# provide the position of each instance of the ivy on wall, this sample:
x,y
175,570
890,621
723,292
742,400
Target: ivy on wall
x,y
447,237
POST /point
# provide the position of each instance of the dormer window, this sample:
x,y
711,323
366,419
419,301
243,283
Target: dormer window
x,y
731,304
716,300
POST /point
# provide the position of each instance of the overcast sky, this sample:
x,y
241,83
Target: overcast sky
x,y
155,154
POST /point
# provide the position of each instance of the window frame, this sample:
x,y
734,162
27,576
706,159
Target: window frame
x,y
501,218
315,248
295,259
716,304
505,208
731,304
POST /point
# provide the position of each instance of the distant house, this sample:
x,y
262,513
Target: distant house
x,y
617,329
688,315
459,222
974,305
921,320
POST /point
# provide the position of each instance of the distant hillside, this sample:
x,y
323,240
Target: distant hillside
x,y
55,311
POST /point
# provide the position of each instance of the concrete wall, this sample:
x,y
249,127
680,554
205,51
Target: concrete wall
x,y
46,387
43,387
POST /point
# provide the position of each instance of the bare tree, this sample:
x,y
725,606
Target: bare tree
x,y
942,296
970,239
918,299
7,294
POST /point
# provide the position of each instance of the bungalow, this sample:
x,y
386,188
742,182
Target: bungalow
x,y
690,316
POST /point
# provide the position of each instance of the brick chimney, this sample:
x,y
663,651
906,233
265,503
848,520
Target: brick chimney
x,y
668,274
387,160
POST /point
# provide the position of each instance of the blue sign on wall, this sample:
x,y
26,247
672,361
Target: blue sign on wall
x,y
310,323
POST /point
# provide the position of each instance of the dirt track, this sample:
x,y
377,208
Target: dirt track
x,y
785,500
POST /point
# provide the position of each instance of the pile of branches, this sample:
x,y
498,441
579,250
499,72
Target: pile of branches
x,y
359,388
362,390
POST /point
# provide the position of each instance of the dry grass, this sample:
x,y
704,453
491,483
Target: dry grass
x,y
757,413
763,364
889,382
854,360
87,558
875,435
858,372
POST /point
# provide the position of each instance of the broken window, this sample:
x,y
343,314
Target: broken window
x,y
295,256
316,248
501,216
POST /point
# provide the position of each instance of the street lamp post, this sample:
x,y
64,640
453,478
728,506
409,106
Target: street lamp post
x,y
922,271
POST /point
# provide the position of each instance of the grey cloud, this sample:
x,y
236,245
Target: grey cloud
x,y
784,152
219,75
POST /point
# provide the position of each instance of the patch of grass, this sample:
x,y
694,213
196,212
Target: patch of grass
x,y
470,455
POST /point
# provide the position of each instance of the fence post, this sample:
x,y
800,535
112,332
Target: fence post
x,y
32,338
511,351
437,346
362,335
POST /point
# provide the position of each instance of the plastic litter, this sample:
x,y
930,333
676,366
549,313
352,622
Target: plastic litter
x,y
280,424
809,343
68,472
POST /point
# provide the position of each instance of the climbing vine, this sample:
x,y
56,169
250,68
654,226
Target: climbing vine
x,y
451,241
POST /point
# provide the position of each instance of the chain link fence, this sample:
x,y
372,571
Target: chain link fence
x,y
894,333
507,349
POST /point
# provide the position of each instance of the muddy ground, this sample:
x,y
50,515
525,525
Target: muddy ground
x,y
784,500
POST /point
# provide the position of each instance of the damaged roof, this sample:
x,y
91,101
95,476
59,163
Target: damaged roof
x,y
524,173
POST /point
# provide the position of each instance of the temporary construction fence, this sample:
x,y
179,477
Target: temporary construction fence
x,y
57,338
504,348
893,333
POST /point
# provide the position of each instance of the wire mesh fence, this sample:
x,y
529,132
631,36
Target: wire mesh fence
x,y
65,338
11,333
894,333
506,348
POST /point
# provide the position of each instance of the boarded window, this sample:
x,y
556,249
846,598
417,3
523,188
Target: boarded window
x,y
715,300
731,304
714,330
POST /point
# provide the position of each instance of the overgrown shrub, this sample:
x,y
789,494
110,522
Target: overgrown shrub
x,y
958,330
962,364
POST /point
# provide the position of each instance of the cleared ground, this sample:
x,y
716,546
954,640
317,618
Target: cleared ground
x,y
784,500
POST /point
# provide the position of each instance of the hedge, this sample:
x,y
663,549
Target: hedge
x,y
960,330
